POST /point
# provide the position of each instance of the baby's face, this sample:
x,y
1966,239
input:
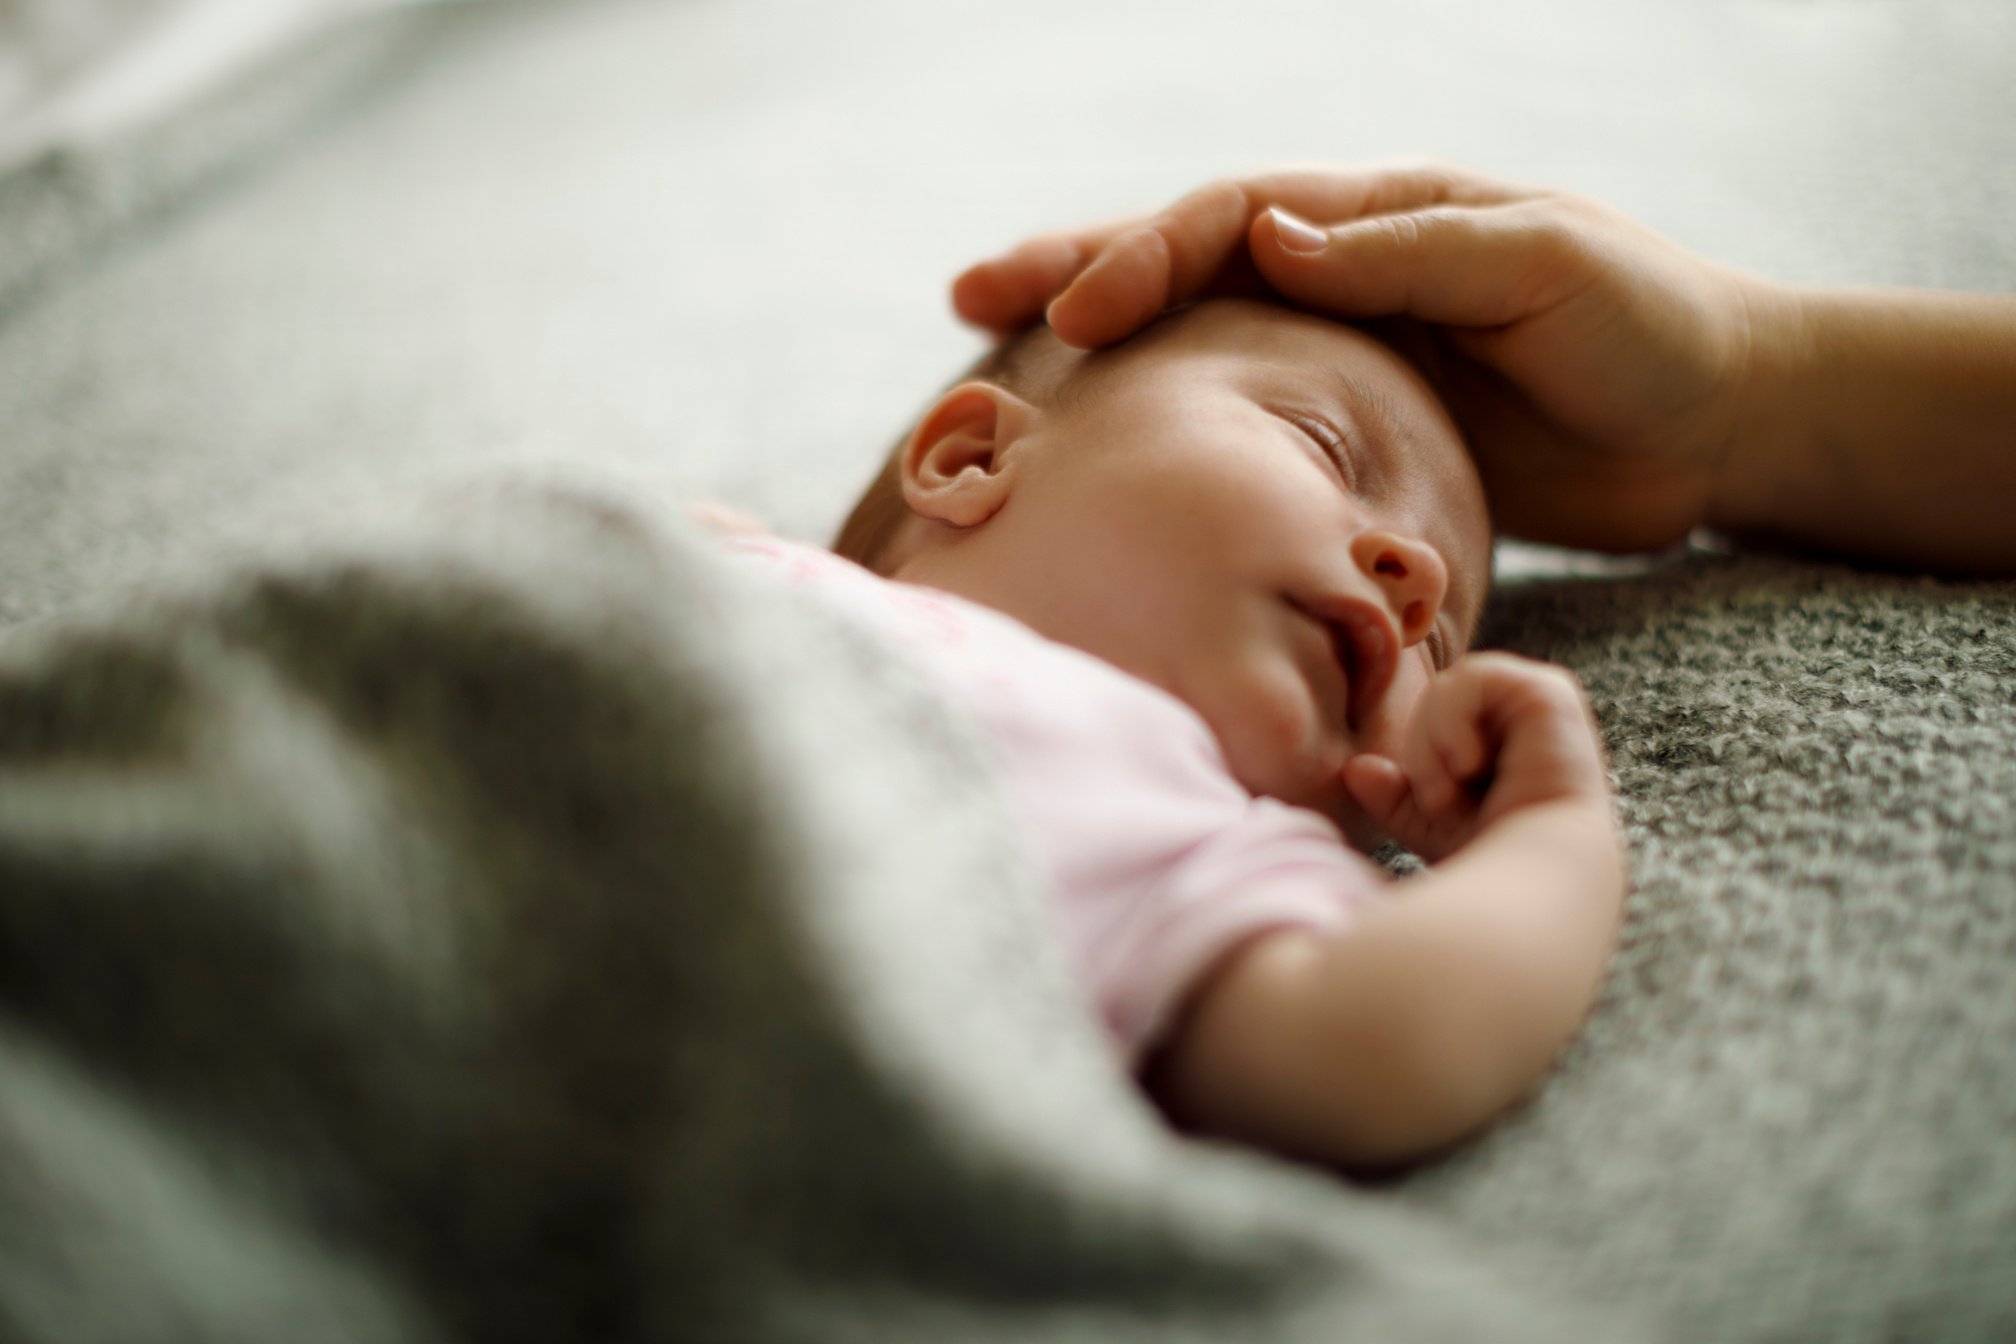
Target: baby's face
x,y
1271,517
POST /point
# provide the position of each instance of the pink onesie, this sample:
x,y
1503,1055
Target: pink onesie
x,y
1159,861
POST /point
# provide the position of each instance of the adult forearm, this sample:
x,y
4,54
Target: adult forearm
x,y
1879,425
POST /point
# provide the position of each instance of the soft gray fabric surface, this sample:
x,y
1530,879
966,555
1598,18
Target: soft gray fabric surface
x,y
66,191
719,233
483,927
1789,1117
710,240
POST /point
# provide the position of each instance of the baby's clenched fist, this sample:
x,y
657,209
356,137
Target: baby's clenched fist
x,y
1494,734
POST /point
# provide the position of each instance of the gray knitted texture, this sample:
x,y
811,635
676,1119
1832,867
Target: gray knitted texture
x,y
1789,1117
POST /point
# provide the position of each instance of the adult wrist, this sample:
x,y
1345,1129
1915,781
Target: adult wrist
x,y
1763,457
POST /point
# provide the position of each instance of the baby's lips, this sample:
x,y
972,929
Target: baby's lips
x,y
1367,648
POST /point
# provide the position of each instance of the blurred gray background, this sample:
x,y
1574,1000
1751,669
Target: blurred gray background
x,y
713,237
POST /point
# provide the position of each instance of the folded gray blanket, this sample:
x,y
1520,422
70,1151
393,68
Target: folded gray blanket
x,y
506,922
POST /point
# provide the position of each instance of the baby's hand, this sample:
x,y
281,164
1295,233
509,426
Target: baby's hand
x,y
1494,734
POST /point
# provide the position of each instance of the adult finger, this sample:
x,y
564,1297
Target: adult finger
x,y
1162,262
1011,290
1119,274
1204,238
1458,266
1201,233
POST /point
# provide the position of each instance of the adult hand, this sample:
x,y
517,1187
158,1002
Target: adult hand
x,y
1597,370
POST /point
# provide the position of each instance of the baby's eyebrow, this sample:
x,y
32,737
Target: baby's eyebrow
x,y
1370,406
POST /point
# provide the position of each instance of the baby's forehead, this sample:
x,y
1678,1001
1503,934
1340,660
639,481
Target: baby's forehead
x,y
1278,347
1271,333
1275,351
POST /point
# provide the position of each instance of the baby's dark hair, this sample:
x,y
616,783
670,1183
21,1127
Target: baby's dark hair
x,y
1032,364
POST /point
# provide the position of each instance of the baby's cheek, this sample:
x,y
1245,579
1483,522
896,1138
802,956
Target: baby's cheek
x,y
1272,735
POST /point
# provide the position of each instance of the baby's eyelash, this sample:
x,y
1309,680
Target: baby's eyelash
x,y
1438,648
1327,437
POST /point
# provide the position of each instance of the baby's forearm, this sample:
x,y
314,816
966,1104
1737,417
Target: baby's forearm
x,y
1494,957
1383,1042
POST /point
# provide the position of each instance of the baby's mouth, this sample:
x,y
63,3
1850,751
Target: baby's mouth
x,y
1367,650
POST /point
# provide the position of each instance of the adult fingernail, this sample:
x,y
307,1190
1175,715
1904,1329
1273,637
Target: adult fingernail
x,y
1297,234
1050,311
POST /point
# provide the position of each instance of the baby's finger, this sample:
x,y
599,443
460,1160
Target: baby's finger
x,y
1456,728
1440,753
1435,789
1377,785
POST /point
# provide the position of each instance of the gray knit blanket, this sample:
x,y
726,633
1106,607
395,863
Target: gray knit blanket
x,y
440,900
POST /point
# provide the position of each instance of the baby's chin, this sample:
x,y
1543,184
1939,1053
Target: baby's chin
x,y
1279,748
1319,791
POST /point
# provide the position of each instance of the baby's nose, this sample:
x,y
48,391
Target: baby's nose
x,y
1411,576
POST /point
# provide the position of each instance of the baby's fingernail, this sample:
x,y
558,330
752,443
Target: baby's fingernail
x,y
1297,234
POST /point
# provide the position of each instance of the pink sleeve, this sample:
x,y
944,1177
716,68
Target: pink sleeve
x,y
1277,865
1159,861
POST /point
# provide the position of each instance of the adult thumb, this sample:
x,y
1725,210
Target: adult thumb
x,y
1466,266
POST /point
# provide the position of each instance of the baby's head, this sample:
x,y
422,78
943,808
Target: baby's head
x,y
1267,514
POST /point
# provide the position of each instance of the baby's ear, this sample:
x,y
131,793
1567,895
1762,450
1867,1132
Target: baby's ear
x,y
959,466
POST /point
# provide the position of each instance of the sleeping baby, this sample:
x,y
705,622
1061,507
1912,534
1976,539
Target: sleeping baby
x,y
1209,594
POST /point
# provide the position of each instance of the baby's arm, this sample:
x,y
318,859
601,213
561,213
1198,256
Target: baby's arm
x,y
1438,1009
